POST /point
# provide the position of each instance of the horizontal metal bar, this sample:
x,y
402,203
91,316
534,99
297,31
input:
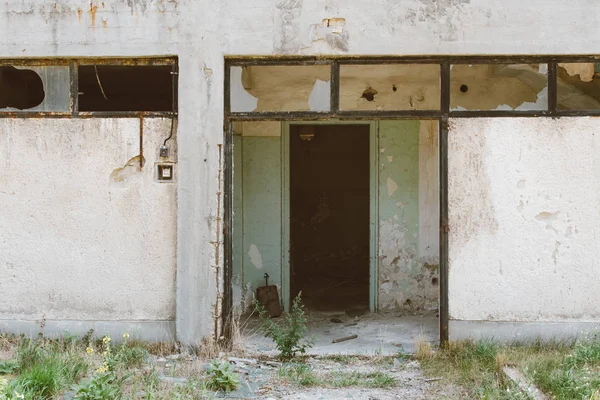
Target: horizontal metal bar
x,y
390,114
94,114
453,59
35,114
498,114
280,115
276,61
133,61
577,113
126,114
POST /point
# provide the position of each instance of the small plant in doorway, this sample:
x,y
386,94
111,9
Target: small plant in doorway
x,y
288,333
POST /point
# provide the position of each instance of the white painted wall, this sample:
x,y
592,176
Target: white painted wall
x,y
85,234
523,214
201,32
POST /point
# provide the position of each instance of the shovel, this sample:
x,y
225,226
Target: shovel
x,y
269,298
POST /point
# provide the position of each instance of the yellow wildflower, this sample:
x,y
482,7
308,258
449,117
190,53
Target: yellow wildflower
x,y
89,350
126,335
105,339
102,369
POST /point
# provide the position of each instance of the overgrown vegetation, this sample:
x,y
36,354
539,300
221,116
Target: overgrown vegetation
x,y
562,370
287,333
95,369
45,368
301,374
570,375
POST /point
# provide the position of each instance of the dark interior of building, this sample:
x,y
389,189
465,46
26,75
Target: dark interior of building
x,y
329,211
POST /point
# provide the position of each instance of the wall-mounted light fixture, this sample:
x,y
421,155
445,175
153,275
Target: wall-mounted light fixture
x,y
307,133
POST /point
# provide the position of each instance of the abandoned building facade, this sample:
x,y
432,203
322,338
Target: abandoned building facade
x,y
163,159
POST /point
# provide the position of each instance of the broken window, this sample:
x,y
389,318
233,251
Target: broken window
x,y
519,87
34,88
578,86
390,87
126,88
280,88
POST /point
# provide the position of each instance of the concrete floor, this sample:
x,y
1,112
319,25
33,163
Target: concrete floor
x,y
378,334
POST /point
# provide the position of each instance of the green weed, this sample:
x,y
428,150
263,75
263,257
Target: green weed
x,y
222,377
289,333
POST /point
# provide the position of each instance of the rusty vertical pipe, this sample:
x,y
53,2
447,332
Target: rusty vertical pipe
x,y
141,142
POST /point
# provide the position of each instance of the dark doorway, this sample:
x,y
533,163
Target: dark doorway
x,y
329,212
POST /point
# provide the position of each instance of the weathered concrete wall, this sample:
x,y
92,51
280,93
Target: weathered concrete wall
x,y
523,215
200,32
429,200
86,235
261,213
408,256
257,209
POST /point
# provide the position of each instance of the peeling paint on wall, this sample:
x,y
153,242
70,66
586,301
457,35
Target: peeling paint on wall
x,y
255,257
287,26
404,282
330,36
131,169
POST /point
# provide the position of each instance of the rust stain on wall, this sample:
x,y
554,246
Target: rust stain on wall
x,y
93,9
132,166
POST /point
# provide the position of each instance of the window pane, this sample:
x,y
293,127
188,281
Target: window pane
x,y
578,86
34,88
390,87
499,87
280,88
125,88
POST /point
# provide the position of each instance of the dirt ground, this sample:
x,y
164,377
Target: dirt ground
x,y
409,382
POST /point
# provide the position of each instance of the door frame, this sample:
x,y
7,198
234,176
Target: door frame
x,y
373,205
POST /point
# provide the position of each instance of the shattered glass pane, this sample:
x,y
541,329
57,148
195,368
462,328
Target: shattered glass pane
x,y
390,87
280,88
578,86
34,88
521,87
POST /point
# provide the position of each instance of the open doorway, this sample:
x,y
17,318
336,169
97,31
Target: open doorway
x,y
329,216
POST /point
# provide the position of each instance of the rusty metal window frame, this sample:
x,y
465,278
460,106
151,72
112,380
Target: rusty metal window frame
x,y
335,62
73,64
442,115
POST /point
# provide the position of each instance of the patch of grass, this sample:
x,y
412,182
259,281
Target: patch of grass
x,y
567,373
340,379
349,359
155,348
305,375
53,373
45,369
473,365
130,357
298,374
563,370
8,367
380,380
29,354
